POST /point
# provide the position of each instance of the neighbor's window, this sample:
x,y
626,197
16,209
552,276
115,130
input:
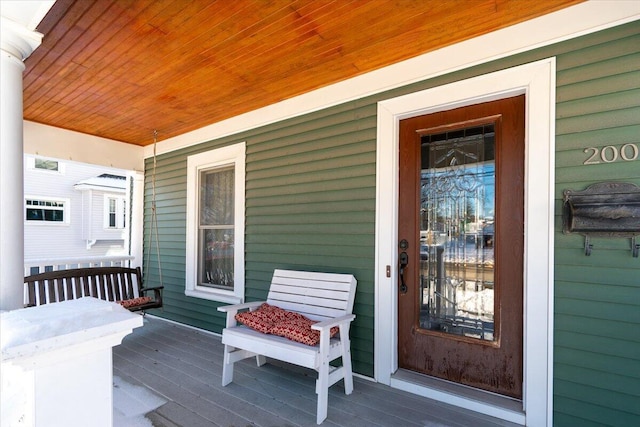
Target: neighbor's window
x,y
46,210
44,164
115,212
215,224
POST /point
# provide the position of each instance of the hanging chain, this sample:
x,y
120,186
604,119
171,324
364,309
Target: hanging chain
x,y
154,215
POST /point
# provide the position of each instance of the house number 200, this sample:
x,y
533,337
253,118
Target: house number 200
x,y
611,153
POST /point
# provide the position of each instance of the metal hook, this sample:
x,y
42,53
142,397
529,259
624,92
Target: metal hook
x,y
587,246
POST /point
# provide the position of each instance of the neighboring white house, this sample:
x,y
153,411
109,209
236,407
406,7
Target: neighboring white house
x,y
74,210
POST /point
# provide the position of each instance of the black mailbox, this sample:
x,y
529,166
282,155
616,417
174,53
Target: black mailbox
x,y
606,209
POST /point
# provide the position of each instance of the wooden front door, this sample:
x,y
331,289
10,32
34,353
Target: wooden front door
x,y
461,237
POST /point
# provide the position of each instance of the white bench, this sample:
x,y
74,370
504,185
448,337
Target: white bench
x,y
325,297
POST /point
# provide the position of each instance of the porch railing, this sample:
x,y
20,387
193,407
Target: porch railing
x,y
35,266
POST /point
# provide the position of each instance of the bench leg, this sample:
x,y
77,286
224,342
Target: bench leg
x,y
322,389
227,366
260,360
231,356
346,366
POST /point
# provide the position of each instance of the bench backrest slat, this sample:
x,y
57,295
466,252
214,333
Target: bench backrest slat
x,y
54,294
107,287
129,286
93,286
61,289
116,287
81,287
68,288
85,285
316,295
121,287
310,296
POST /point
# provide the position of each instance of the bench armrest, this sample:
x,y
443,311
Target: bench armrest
x,y
231,310
157,293
237,307
336,321
325,329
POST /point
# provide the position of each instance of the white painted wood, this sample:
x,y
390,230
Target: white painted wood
x,y
272,346
537,81
327,303
330,291
309,293
461,396
56,362
232,155
135,241
317,295
49,141
317,284
76,262
17,43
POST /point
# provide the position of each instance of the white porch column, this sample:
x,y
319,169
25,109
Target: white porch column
x,y
137,218
17,43
57,365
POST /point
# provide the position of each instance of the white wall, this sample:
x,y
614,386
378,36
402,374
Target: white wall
x,y
61,240
94,206
49,141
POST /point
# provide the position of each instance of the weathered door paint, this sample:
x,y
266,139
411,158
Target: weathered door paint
x,y
461,227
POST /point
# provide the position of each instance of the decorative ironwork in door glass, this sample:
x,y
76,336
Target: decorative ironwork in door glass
x,y
457,213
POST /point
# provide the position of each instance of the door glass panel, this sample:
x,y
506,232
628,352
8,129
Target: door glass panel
x,y
457,213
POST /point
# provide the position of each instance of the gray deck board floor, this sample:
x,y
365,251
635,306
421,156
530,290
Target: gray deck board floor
x,y
183,366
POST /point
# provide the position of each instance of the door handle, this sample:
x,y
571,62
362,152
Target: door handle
x,y
403,260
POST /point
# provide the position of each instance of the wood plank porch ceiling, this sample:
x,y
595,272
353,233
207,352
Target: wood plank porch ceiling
x,y
120,69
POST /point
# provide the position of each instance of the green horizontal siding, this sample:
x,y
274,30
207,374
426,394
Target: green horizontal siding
x,y
597,298
580,412
310,204
580,140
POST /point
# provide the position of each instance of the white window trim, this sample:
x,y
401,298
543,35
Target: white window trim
x,y
226,156
120,212
537,81
66,211
31,165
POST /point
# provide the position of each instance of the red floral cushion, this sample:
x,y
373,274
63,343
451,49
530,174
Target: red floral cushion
x,y
265,316
259,319
274,313
270,319
299,330
134,301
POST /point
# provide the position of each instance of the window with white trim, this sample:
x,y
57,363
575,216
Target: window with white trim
x,y
45,164
115,212
215,224
41,164
46,210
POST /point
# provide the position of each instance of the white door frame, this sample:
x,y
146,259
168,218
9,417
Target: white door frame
x,y
537,81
